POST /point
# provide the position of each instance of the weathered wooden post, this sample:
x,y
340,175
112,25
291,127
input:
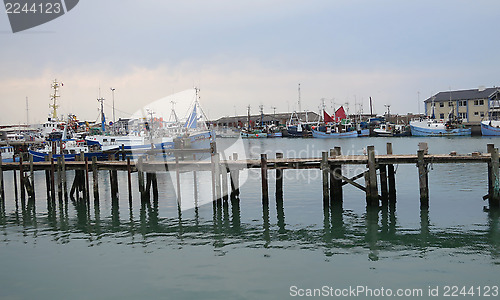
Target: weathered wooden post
x,y
494,199
391,177
218,184
32,177
95,178
383,184
212,171
490,148
235,182
21,178
52,183
263,172
324,169
372,187
195,183
178,179
87,189
224,172
279,178
336,178
423,180
59,178
129,180
47,180
140,177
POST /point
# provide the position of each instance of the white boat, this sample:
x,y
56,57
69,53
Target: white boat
x,y
253,134
7,153
490,128
333,135
432,127
391,130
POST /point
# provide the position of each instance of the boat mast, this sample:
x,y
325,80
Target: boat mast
x,y
53,98
103,118
371,107
248,113
300,108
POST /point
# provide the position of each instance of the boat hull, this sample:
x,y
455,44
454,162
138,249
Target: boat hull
x,y
40,156
422,131
490,128
334,135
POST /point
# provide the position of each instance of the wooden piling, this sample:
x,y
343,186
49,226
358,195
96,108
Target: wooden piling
x,y
32,178
372,188
95,178
21,178
383,184
140,176
235,180
494,199
129,180
423,180
336,193
59,178
47,180
263,173
224,174
195,184
52,179
391,177
324,169
279,179
87,189
178,179
218,180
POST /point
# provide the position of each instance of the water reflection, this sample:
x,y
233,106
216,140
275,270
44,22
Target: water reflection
x,y
375,231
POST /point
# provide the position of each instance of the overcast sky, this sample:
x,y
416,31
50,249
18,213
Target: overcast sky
x,y
242,53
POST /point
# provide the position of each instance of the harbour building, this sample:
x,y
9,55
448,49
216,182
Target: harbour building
x,y
471,106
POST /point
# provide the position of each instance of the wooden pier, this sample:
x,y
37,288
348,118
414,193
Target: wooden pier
x,y
378,173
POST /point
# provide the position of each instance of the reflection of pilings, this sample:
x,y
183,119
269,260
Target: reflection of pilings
x,y
265,223
2,190
372,232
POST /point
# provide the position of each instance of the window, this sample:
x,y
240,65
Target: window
x,y
476,113
462,115
450,104
482,114
481,102
462,103
478,102
441,116
441,104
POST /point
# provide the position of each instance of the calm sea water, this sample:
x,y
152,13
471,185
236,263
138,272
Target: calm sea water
x,y
247,251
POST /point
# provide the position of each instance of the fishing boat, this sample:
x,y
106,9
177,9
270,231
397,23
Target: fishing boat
x,y
253,134
391,130
68,149
7,153
432,127
332,134
335,127
490,128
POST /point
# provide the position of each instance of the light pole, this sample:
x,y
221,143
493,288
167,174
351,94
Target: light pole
x,y
113,95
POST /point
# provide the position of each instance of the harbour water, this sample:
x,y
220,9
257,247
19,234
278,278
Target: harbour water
x,y
101,251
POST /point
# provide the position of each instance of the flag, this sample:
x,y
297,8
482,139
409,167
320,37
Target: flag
x,y
327,118
340,114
